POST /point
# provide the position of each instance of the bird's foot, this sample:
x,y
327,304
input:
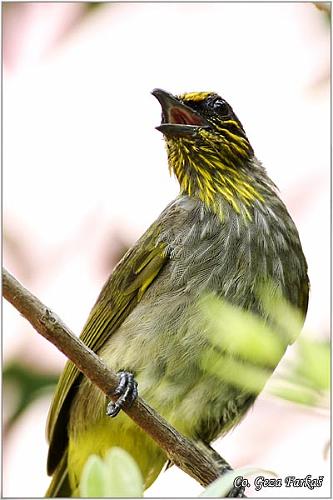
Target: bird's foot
x,y
127,390
236,492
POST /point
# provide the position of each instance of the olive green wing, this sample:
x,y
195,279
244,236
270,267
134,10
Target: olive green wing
x,y
120,294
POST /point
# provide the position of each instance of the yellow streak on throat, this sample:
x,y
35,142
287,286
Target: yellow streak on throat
x,y
238,192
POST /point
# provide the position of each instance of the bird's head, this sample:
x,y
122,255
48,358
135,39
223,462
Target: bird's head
x,y
208,150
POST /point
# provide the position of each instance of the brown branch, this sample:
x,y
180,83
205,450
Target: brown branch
x,y
324,7
196,461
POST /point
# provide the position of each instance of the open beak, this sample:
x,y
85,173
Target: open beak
x,y
178,120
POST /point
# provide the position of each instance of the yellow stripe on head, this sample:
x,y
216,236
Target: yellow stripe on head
x,y
195,96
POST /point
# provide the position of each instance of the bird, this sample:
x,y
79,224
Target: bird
x,y
226,234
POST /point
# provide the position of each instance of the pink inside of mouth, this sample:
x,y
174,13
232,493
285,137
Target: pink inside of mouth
x,y
179,116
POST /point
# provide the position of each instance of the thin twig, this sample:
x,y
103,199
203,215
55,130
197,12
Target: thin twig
x,y
192,459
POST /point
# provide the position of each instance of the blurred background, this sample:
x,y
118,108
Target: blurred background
x,y
85,173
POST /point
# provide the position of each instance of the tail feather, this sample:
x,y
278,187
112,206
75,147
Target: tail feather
x,y
59,486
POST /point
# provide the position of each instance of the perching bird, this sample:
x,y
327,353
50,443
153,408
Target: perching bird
x,y
226,234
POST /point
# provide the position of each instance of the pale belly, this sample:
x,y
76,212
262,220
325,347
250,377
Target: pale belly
x,y
171,378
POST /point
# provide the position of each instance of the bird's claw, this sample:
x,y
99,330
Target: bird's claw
x,y
236,492
127,390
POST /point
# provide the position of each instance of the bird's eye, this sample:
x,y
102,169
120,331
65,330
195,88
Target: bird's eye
x,y
220,106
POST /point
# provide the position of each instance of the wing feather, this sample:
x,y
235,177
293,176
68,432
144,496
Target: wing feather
x,y
120,294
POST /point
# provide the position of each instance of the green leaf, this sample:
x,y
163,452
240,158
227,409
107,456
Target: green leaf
x,y
23,384
235,372
124,475
306,378
288,318
118,475
295,393
93,478
244,349
315,364
241,333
